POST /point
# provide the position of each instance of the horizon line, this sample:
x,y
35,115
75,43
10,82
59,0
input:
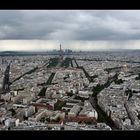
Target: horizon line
x,y
49,50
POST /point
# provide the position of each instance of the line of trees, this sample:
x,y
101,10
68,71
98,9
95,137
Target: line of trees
x,y
66,62
138,78
49,81
29,72
53,62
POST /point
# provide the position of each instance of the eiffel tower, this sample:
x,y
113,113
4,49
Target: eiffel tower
x,y
61,53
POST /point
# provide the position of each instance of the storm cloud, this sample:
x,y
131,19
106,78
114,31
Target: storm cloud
x,y
70,24
109,27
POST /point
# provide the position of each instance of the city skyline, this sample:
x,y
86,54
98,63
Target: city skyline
x,y
93,91
49,45
84,30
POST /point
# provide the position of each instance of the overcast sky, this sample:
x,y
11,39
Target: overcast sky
x,y
75,29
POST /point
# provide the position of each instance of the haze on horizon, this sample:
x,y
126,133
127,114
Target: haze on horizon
x,y
40,30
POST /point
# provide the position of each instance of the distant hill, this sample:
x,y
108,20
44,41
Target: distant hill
x,y
20,53
31,53
6,52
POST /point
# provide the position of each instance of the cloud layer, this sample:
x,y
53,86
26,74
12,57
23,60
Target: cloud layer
x,y
74,28
70,24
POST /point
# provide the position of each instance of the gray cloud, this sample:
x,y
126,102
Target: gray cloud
x,y
70,24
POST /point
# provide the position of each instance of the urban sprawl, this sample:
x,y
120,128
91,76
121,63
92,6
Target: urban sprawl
x,y
87,91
